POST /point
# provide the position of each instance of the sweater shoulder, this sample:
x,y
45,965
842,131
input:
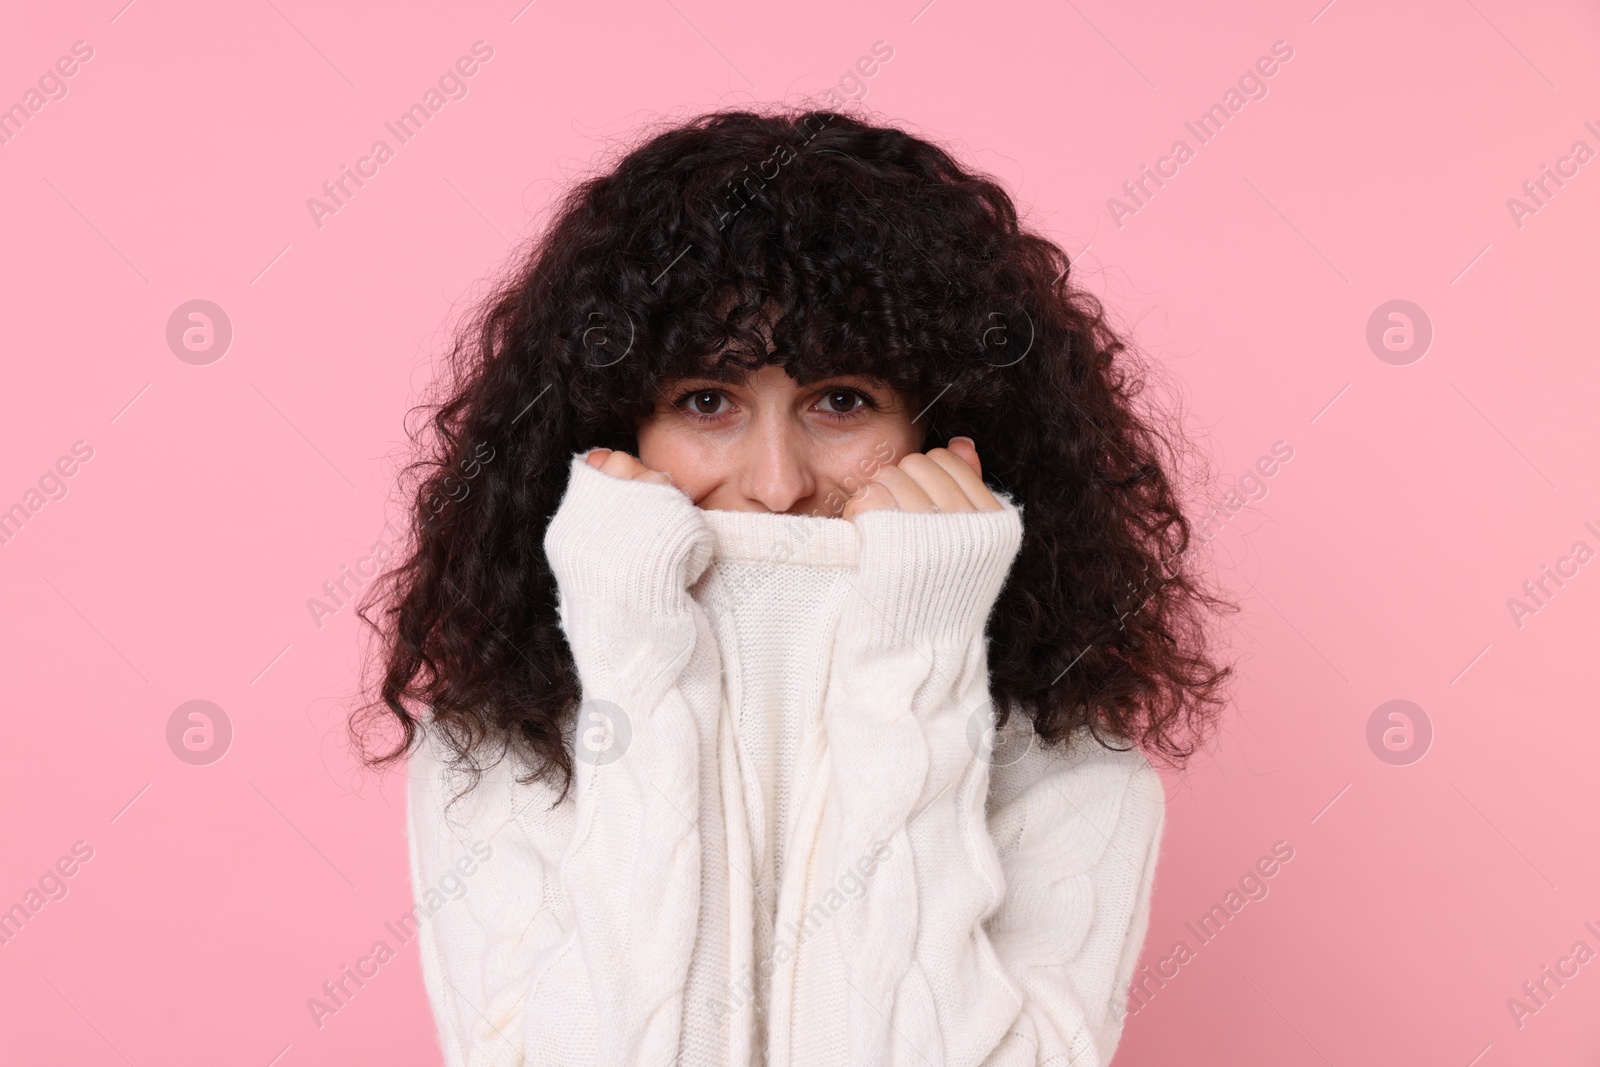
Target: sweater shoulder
x,y
1021,760
1083,796
446,799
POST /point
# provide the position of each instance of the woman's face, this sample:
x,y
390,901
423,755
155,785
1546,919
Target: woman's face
x,y
771,444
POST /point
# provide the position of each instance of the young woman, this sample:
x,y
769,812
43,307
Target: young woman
x,y
802,596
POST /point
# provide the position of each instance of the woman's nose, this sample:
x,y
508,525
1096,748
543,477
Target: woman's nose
x,y
774,465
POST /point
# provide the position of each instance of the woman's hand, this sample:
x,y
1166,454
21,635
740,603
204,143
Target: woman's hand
x,y
615,542
622,465
941,479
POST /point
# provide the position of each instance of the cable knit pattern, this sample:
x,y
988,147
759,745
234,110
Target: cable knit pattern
x,y
793,837
899,718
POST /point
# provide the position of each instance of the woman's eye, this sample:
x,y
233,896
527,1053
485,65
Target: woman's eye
x,y
705,402
848,400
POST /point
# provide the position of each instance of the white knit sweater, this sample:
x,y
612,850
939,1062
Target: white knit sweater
x,y
793,836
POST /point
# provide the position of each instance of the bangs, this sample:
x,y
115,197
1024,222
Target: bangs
x,y
809,342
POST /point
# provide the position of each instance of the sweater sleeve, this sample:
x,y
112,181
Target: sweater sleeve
x,y
576,941
959,949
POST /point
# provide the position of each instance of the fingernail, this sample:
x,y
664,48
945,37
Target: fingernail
x,y
968,440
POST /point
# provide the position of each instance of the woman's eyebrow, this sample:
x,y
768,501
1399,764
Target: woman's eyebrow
x,y
861,376
727,374
740,376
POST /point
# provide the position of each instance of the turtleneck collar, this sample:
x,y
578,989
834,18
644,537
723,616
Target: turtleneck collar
x,y
770,537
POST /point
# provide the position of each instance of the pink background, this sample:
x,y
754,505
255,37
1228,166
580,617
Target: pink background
x,y
1377,566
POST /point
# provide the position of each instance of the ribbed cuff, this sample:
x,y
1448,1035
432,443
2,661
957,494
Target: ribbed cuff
x,y
625,543
931,576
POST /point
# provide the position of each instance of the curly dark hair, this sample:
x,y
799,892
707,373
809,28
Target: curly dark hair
x,y
825,245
